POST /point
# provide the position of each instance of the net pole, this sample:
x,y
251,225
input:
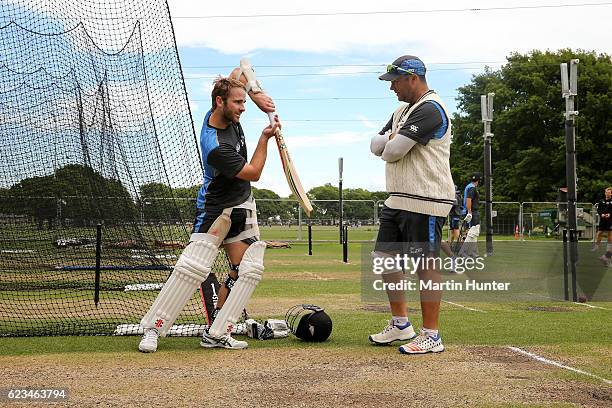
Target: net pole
x,y
486,102
309,239
98,259
345,244
569,90
340,206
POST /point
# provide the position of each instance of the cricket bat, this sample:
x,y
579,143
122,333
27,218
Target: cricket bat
x,y
288,167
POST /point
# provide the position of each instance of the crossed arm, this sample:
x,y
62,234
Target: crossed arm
x,y
391,147
423,124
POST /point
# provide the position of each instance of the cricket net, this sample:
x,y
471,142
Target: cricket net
x,y
95,129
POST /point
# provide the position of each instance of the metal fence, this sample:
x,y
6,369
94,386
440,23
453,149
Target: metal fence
x,y
549,219
511,220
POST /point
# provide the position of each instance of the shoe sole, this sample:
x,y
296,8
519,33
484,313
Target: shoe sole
x,y
433,350
377,343
147,351
219,345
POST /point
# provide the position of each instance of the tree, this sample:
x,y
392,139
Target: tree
x,y
528,149
325,209
363,210
76,192
157,202
267,209
185,198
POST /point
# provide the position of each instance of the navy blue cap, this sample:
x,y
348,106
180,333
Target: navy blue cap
x,y
404,65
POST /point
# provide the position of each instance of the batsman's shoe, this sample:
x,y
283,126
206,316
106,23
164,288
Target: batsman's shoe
x,y
225,341
393,333
423,343
605,260
148,344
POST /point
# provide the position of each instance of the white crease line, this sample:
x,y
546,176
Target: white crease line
x,y
465,307
576,303
592,306
547,361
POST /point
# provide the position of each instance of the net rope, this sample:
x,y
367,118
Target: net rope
x,y
95,128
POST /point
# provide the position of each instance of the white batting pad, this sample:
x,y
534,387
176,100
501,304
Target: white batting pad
x,y
191,269
472,234
249,274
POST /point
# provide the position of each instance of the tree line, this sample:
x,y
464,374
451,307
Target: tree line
x,y
528,147
528,154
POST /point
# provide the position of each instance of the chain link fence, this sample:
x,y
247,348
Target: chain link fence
x,y
547,220
511,220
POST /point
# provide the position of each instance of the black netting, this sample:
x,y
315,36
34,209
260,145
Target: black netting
x,y
95,128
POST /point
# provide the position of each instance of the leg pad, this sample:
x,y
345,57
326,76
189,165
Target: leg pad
x,y
191,269
249,274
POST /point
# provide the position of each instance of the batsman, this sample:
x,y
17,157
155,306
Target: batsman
x,y
225,216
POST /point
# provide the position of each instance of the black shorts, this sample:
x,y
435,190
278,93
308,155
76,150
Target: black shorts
x,y
605,224
410,233
454,222
204,220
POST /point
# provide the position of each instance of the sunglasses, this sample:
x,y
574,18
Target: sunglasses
x,y
393,69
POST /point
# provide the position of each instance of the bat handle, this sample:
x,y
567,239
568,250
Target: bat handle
x,y
271,117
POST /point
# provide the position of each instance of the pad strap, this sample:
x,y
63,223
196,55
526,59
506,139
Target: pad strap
x,y
251,228
229,282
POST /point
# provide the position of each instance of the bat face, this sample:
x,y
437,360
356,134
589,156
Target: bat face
x,y
291,174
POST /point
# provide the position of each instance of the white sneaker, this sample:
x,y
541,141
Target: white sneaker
x,y
595,248
148,344
225,341
424,343
393,333
605,260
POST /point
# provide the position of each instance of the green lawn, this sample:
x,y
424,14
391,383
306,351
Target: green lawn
x,y
291,275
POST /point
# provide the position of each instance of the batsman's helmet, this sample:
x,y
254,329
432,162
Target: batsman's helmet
x,y
309,322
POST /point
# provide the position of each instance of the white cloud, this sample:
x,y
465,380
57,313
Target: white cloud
x,y
318,141
350,70
194,106
367,123
276,184
326,140
207,88
374,184
441,36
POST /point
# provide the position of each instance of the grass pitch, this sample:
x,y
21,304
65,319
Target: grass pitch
x,y
477,369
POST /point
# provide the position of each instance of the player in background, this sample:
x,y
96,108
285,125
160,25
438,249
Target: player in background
x,y
604,210
454,222
471,214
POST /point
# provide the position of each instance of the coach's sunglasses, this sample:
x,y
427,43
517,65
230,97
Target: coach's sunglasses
x,y
394,68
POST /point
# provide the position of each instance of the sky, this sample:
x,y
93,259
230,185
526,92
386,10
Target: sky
x,y
320,62
322,70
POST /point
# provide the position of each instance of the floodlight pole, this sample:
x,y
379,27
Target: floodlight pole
x,y
486,108
340,207
569,90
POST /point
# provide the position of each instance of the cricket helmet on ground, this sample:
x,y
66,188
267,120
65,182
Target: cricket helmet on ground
x,y
309,322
